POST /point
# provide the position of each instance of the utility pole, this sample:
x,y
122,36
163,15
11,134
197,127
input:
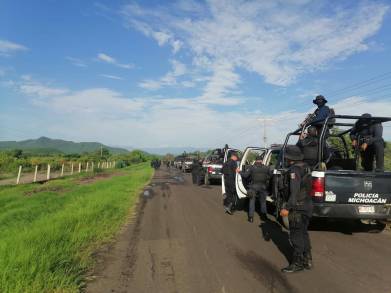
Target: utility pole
x,y
264,122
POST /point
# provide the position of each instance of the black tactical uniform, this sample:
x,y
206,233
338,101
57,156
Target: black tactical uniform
x,y
195,171
229,172
300,210
309,146
259,176
370,133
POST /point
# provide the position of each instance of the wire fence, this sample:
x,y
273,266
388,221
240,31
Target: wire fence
x,y
42,173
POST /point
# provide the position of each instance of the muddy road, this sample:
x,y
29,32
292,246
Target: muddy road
x,y
182,241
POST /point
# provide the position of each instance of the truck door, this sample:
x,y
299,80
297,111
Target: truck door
x,y
249,156
227,155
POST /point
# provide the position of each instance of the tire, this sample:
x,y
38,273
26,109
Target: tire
x,y
377,228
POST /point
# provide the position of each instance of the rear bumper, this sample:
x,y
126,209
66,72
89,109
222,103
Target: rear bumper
x,y
214,176
349,211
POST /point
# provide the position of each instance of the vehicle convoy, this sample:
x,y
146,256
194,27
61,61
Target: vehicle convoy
x,y
340,190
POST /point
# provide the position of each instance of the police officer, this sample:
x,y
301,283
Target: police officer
x,y
259,176
195,171
309,146
367,136
298,208
323,111
229,172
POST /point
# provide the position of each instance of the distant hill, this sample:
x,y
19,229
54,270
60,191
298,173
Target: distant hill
x,y
62,146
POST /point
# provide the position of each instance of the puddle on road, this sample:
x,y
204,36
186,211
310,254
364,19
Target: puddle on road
x,y
179,178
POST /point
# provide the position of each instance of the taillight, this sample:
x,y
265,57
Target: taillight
x,y
210,169
317,187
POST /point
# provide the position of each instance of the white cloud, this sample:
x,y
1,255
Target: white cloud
x,y
7,48
178,69
277,40
111,60
111,76
34,88
76,61
103,103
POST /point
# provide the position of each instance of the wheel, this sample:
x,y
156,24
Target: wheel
x,y
376,227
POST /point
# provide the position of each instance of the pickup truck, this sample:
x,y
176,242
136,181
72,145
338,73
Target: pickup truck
x,y
187,164
340,189
270,157
212,166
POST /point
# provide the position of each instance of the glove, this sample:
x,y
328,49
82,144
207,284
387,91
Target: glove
x,y
284,213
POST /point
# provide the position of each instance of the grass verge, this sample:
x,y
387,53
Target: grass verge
x,y
48,233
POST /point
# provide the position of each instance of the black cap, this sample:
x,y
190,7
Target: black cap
x,y
293,153
319,98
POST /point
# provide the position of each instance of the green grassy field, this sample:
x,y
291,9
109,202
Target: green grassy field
x,y
48,232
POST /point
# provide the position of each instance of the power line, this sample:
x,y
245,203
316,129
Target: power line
x,y
363,83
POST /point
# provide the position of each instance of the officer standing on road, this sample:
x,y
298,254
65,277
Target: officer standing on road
x,y
229,172
367,136
309,146
259,176
195,171
299,210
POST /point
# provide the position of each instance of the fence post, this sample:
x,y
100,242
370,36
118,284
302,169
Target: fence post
x,y
98,165
62,170
35,173
19,173
79,167
87,166
71,168
114,164
92,166
48,173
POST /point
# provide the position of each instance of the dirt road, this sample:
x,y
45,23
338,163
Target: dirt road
x,y
182,241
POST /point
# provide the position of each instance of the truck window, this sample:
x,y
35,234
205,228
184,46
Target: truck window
x,y
274,157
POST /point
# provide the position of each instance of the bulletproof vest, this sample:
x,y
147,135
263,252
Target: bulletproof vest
x,y
306,182
260,174
310,148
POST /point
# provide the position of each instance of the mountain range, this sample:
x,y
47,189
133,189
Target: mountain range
x,y
59,145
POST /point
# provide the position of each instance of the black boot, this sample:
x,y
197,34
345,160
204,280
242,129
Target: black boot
x,y
251,219
228,209
295,266
263,217
307,260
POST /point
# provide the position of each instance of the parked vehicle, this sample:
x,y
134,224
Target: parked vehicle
x,y
211,166
186,164
178,162
340,189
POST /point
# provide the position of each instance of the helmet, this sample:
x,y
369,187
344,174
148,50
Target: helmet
x,y
366,115
293,153
319,98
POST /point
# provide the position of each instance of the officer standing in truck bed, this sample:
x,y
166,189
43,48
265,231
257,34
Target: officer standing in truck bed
x,y
367,136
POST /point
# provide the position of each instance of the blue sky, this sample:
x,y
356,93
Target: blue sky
x,y
187,73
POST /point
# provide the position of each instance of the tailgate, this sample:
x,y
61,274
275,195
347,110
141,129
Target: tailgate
x,y
352,187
